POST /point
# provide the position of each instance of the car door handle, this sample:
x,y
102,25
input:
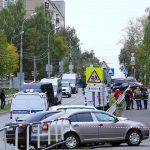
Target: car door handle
x,y
76,125
100,125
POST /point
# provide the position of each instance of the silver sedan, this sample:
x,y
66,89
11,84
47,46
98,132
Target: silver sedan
x,y
93,126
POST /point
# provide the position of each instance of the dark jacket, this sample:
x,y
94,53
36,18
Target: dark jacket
x,y
145,94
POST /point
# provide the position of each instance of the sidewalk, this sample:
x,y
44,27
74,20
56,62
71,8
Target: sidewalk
x,y
138,115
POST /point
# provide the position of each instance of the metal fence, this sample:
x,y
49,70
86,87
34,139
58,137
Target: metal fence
x,y
115,106
50,145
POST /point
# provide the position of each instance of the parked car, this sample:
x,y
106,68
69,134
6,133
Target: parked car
x,y
66,88
93,126
124,86
30,118
70,107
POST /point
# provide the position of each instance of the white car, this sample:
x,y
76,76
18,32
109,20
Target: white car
x,y
66,88
70,107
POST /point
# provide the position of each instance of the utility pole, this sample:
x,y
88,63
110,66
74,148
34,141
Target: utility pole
x,y
70,59
34,72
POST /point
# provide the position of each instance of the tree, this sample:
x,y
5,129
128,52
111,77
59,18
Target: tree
x,y
9,57
11,19
131,43
144,55
73,52
86,59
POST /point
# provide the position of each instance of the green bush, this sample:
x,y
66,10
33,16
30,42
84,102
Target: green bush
x,y
10,92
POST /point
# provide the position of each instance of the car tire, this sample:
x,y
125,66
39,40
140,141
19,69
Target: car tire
x,y
73,141
69,95
134,138
115,143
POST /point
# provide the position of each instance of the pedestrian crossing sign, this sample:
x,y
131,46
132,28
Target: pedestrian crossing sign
x,y
94,75
110,72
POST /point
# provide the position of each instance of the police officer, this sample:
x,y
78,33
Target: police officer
x,y
2,97
138,97
145,96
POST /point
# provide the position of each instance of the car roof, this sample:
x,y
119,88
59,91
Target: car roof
x,y
64,114
60,107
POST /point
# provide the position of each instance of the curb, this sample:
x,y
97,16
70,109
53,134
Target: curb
x,y
4,112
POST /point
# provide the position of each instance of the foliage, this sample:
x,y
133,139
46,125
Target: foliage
x,y
132,44
145,56
86,59
73,52
11,19
9,57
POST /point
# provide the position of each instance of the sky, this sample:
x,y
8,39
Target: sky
x,y
100,25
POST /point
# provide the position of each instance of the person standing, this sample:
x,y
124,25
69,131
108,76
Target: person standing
x,y
128,98
117,94
131,98
145,96
138,98
2,97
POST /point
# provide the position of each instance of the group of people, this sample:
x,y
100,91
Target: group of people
x,y
2,98
139,96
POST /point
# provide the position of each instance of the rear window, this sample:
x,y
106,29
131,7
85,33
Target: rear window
x,y
35,117
28,101
20,104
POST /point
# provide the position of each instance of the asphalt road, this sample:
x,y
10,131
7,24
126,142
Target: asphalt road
x,y
138,115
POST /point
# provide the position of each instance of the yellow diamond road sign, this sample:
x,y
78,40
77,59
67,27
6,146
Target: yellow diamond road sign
x,y
94,75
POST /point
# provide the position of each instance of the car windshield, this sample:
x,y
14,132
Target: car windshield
x,y
65,84
71,81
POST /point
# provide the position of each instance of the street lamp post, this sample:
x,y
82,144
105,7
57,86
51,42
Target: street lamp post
x,y
21,48
49,51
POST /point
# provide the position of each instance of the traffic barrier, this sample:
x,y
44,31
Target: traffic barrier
x,y
114,107
57,141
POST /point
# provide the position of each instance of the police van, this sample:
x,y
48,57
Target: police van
x,y
24,103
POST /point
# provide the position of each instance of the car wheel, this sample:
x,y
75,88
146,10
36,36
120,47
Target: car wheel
x,y
69,95
115,143
134,138
72,141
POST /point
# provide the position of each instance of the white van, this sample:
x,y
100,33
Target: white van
x,y
26,103
72,78
57,87
97,96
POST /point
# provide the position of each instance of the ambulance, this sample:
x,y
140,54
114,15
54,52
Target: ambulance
x,y
97,96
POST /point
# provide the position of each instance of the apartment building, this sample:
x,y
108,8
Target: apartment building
x,y
55,7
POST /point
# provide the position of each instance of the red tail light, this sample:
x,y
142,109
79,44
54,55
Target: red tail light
x,y
45,127
24,126
10,114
